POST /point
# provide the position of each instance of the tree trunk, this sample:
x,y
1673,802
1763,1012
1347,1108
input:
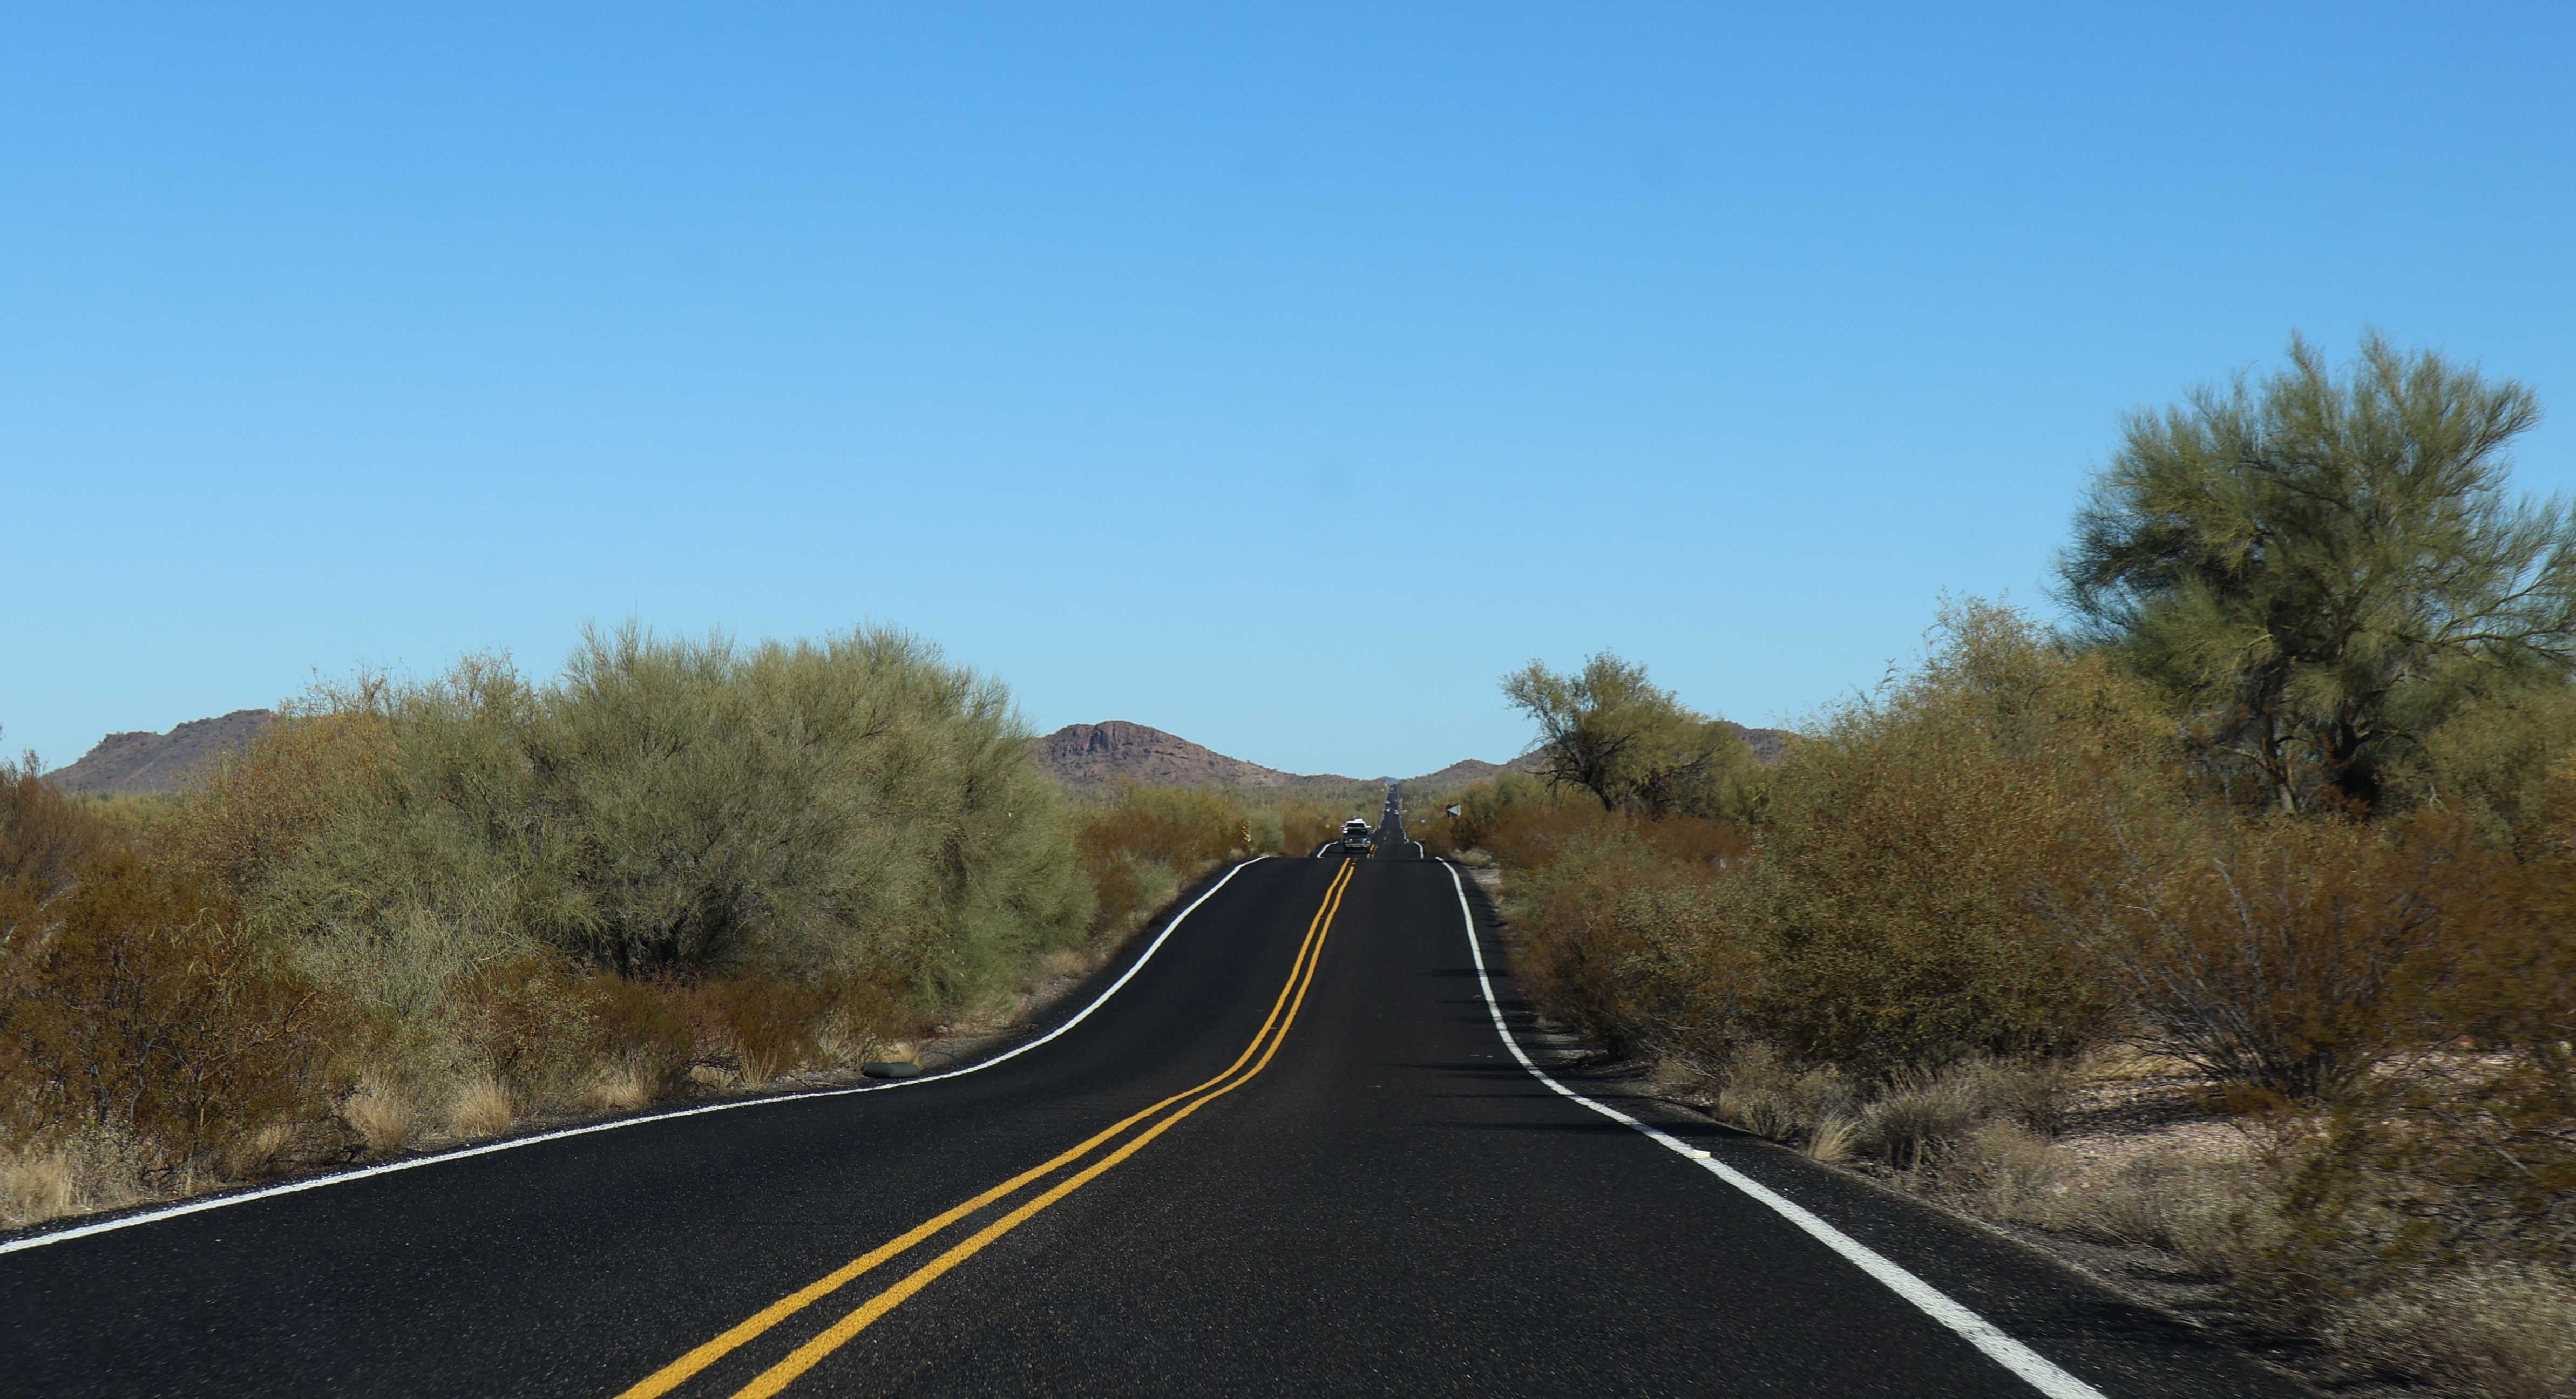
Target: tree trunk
x,y
2355,776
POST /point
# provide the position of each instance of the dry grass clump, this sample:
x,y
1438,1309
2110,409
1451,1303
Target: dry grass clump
x,y
383,1119
2499,1327
258,1154
622,1088
34,1187
1909,1121
93,1169
1834,1140
1917,1115
2215,1214
480,1108
1058,965
1762,1094
2500,1330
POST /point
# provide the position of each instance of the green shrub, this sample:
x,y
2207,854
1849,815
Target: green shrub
x,y
2497,764
810,812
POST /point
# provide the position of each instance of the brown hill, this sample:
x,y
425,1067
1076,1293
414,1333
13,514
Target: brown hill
x,y
1466,770
1091,755
1095,755
133,764
1768,745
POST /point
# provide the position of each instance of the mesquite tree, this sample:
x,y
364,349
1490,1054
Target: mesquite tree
x,y
2321,566
1607,730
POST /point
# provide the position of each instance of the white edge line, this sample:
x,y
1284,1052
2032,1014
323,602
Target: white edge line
x,y
414,1163
2042,1374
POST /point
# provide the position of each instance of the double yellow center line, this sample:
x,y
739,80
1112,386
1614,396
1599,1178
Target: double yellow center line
x,y
1265,1043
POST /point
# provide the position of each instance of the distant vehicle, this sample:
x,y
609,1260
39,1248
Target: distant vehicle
x,y
1355,835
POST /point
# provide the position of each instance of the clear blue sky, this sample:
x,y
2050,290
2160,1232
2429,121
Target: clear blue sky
x,y
1276,380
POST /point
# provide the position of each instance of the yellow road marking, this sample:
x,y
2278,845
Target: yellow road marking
x,y
806,1356
679,1371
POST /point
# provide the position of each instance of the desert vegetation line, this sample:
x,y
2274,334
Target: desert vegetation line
x,y
408,1163
1999,1346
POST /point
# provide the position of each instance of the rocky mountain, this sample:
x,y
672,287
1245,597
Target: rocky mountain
x,y
1768,745
133,764
1466,770
1088,755
1092,755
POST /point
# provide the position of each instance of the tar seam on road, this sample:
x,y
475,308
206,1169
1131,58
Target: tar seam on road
x,y
389,1167
2029,1364
1301,975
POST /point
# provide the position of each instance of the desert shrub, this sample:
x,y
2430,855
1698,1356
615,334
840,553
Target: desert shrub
x,y
769,1026
1516,818
526,1025
44,836
255,810
145,1008
1637,948
2276,953
1294,827
2455,1150
1905,844
639,1031
549,1032
1889,912
1127,890
1532,835
2499,763
1141,844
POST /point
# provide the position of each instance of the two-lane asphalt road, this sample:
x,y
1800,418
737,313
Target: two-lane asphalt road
x,y
1292,1152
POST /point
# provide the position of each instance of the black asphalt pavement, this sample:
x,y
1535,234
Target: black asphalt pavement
x,y
1388,1203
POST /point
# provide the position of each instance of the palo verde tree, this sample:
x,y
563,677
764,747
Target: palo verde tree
x,y
1609,731
2319,567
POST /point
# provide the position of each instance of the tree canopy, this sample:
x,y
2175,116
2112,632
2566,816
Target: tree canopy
x,y
1609,731
2320,567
